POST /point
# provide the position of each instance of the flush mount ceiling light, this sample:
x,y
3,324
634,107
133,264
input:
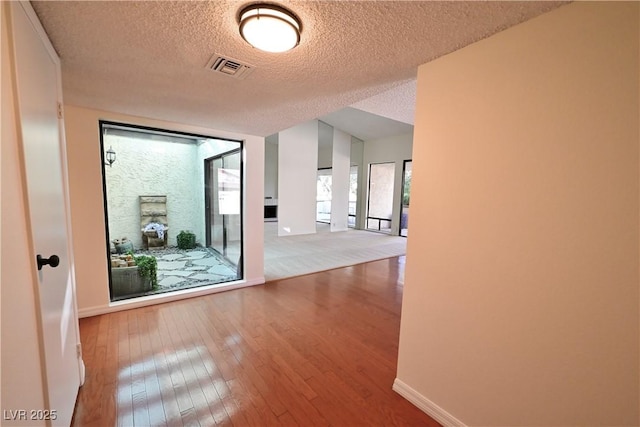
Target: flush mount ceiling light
x,y
270,28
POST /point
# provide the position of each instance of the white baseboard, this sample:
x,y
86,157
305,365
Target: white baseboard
x,y
425,405
166,297
93,311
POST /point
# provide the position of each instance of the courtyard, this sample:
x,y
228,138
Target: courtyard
x,y
187,268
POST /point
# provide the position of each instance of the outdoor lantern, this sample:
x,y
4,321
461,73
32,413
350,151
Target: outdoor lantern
x,y
111,157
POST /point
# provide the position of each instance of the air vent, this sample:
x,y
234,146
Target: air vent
x,y
229,66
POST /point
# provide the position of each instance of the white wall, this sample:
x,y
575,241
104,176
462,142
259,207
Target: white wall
x,y
521,296
357,154
297,175
146,167
87,208
395,149
271,167
22,374
341,168
325,145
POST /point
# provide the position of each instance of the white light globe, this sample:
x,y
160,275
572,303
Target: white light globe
x,y
269,29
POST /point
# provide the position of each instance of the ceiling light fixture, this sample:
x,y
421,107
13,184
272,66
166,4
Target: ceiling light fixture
x,y
270,28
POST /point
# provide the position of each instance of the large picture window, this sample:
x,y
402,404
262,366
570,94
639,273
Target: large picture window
x,y
173,205
381,185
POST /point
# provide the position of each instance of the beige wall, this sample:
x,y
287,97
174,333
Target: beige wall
x,y
521,296
22,373
87,207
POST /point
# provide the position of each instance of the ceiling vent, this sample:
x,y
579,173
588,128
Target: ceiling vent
x,y
229,66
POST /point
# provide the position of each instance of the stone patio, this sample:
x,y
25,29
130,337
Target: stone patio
x,y
189,268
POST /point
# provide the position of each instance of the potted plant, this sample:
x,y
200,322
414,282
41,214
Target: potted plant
x,y
186,240
148,269
123,245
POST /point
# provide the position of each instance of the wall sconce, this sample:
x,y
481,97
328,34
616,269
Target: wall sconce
x,y
111,157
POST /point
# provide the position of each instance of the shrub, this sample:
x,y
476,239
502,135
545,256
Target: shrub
x,y
148,267
186,240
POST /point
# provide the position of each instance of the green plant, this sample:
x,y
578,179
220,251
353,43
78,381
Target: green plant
x,y
406,191
186,240
148,267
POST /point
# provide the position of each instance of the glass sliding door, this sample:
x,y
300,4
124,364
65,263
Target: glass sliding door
x,y
216,218
353,196
224,195
230,199
380,206
406,193
323,195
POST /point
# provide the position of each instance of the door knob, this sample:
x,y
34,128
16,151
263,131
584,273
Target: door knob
x,y
52,261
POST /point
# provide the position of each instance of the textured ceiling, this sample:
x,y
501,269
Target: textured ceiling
x,y
365,126
148,58
397,103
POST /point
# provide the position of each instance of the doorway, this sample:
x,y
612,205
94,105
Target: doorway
x,y
324,195
380,201
353,196
406,195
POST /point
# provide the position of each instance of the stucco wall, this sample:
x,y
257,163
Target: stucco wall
x,y
151,167
147,167
521,296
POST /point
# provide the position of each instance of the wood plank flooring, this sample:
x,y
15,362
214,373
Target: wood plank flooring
x,y
316,350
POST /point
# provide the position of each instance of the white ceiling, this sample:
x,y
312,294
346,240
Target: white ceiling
x,y
364,125
147,58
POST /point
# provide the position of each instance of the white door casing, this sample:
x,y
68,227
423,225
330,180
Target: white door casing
x,y
38,93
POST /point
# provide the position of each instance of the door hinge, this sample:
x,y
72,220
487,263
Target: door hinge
x,y
79,351
59,110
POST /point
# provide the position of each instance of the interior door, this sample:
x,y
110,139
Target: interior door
x,y
38,95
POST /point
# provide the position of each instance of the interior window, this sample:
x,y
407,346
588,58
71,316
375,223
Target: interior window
x,y
173,204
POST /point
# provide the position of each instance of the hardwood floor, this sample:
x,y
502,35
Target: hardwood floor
x,y
319,349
